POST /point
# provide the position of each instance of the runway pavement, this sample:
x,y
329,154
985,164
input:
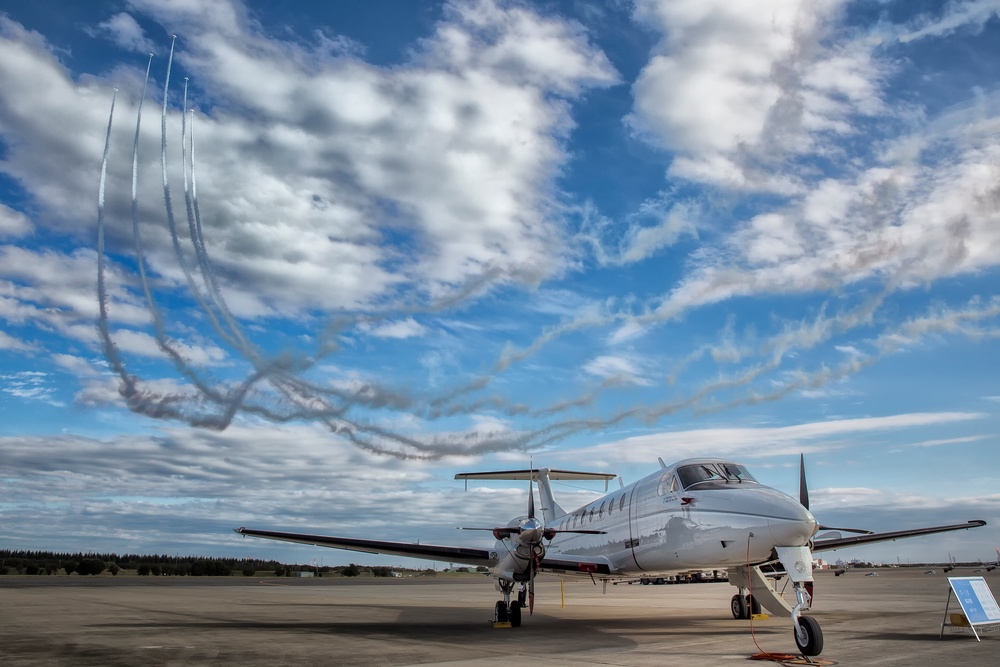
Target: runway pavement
x,y
892,619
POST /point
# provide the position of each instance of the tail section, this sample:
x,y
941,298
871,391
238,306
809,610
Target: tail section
x,y
550,508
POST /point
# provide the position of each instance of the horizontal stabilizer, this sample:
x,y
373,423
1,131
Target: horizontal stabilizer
x,y
533,475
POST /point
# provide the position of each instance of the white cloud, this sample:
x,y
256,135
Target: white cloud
x,y
755,442
456,151
13,223
616,366
8,342
126,33
956,15
29,386
407,328
734,87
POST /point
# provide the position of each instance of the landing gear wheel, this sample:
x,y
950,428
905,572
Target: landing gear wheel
x,y
739,606
515,615
753,607
501,612
808,636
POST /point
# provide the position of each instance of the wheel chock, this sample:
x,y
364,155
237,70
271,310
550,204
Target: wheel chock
x,y
500,624
759,617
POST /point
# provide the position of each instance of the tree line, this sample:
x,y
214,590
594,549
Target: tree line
x,y
85,564
50,562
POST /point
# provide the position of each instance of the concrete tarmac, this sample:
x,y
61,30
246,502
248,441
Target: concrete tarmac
x,y
892,619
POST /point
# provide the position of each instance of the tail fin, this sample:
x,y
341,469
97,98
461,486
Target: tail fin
x,y
550,508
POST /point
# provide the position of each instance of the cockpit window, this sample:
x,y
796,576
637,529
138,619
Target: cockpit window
x,y
735,471
702,472
713,472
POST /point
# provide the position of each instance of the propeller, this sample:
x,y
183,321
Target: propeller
x,y
531,531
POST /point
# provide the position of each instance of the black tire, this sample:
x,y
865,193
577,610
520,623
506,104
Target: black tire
x,y
752,605
644,581
515,615
738,605
808,636
501,612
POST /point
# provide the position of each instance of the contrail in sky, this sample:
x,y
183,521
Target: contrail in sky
x,y
277,388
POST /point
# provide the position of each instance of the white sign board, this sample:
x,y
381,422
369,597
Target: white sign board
x,y
977,602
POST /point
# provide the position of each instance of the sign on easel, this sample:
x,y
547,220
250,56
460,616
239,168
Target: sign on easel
x,y
982,614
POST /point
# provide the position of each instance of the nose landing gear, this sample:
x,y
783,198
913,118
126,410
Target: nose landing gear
x,y
505,611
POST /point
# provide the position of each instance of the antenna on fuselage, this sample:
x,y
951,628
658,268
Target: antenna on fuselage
x,y
662,464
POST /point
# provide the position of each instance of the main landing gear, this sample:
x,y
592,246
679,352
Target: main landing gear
x,y
743,606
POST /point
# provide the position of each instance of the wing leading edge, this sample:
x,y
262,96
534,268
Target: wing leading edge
x,y
467,555
841,542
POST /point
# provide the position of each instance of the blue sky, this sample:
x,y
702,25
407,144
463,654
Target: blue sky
x,y
428,238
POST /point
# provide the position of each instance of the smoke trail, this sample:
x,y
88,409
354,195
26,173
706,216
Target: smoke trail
x,y
277,390
110,349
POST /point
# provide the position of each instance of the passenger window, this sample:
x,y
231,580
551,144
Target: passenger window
x,y
591,513
611,506
621,505
600,512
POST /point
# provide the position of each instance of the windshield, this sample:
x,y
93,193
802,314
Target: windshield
x,y
737,472
713,472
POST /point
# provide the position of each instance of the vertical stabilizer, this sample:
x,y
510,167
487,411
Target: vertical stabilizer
x,y
550,508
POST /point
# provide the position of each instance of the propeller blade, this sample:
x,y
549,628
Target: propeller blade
x,y
803,487
531,584
531,499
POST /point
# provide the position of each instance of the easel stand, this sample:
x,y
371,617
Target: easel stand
x,y
981,612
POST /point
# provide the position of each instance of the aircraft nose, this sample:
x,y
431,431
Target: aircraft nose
x,y
793,525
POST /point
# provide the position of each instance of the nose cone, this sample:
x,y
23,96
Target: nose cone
x,y
791,525
531,530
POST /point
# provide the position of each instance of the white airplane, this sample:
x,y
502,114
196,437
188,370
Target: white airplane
x,y
698,514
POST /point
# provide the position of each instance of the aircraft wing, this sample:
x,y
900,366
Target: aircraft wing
x,y
466,555
840,542
566,564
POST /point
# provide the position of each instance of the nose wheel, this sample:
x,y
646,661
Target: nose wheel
x,y
808,636
500,615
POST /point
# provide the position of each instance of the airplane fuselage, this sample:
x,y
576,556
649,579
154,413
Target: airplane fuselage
x,y
670,522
